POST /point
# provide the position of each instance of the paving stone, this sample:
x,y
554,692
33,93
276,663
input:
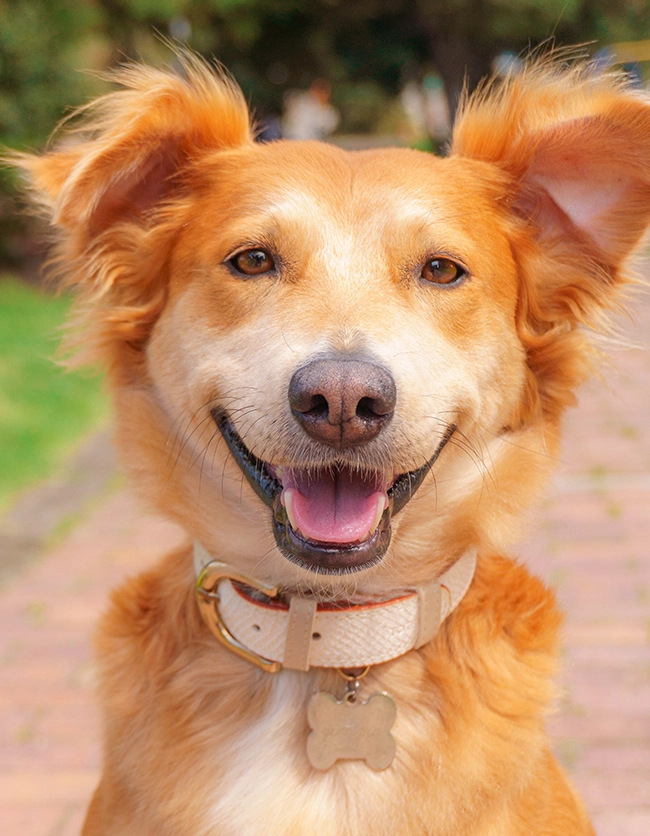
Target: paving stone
x,y
622,823
35,820
592,543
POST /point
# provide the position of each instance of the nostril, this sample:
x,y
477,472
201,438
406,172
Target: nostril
x,y
318,407
366,409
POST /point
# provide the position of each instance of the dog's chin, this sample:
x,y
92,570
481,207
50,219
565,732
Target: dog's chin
x,y
329,520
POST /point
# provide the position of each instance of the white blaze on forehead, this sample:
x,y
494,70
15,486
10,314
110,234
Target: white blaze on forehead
x,y
361,215
410,212
331,234
348,238
293,204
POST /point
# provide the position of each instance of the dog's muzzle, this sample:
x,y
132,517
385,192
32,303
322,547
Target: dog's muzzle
x,y
304,499
333,519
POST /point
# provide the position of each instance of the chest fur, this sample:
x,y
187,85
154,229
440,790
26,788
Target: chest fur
x,y
269,788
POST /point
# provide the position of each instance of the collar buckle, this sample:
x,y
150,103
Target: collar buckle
x,y
306,635
207,598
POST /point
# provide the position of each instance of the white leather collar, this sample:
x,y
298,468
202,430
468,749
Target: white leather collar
x,y
307,634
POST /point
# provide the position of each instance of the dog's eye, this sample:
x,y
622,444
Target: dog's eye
x,y
252,262
442,271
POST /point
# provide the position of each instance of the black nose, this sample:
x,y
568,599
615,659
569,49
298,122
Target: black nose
x,y
342,402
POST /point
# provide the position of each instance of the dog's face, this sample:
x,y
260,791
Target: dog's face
x,y
334,366
345,320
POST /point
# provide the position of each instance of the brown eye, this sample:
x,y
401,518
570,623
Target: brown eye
x,y
442,271
252,262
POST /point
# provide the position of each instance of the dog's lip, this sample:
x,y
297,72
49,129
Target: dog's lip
x,y
262,477
319,556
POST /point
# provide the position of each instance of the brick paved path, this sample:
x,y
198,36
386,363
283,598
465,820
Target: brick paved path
x,y
593,546
592,543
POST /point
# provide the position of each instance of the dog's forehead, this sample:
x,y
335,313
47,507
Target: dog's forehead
x,y
380,190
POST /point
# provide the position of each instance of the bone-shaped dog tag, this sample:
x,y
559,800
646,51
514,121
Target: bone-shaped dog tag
x,y
351,730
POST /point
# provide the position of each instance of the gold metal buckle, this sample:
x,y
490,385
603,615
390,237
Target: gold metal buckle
x,y
207,598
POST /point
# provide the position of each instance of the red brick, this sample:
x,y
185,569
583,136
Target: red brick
x,y
33,820
622,822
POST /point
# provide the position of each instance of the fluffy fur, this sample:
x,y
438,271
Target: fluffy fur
x,y
543,199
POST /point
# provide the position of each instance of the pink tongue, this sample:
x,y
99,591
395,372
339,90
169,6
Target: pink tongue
x,y
333,507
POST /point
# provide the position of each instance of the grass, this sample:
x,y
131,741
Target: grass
x,y
44,410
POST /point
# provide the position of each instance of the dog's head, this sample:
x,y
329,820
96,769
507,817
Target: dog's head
x,y
346,364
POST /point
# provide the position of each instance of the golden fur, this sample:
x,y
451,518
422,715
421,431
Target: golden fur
x,y
543,198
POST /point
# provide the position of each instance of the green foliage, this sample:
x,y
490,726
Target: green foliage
x,y
361,105
42,45
144,9
44,409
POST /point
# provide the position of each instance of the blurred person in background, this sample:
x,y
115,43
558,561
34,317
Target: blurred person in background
x,y
309,114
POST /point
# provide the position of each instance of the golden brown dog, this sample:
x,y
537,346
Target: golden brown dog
x,y
343,374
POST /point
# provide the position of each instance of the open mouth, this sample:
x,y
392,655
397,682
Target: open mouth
x,y
333,519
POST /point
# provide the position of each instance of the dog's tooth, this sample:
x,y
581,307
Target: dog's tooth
x,y
279,473
381,506
287,501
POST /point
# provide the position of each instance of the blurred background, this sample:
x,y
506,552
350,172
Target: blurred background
x,y
360,72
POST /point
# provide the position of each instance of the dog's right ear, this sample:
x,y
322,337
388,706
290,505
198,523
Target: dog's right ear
x,y
133,142
108,188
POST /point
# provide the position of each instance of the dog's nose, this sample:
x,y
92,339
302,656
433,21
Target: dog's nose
x,y
342,402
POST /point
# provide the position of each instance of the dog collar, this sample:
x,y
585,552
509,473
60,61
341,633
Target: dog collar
x,y
305,633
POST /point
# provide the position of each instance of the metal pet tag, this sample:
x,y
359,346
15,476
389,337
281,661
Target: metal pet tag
x,y
351,730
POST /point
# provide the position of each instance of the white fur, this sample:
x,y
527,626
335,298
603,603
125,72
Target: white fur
x,y
269,787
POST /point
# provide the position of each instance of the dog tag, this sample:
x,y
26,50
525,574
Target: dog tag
x,y
351,730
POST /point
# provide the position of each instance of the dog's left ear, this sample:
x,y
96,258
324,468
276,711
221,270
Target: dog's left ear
x,y
573,152
577,147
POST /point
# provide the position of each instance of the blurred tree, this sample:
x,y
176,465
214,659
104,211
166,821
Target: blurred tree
x,y
43,45
382,41
368,49
463,37
273,44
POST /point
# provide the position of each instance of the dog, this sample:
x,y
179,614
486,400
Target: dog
x,y
343,373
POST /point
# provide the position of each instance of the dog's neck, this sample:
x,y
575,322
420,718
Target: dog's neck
x,y
251,619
